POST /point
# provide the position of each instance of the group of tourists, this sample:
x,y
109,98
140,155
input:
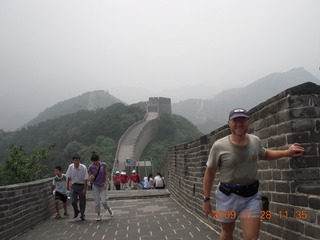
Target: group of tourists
x,y
76,182
77,178
123,182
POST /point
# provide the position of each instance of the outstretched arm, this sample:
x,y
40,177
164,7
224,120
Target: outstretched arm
x,y
295,150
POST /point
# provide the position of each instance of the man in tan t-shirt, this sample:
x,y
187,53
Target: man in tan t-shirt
x,y
236,157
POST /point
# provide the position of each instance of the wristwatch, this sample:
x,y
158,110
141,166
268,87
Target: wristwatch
x,y
205,199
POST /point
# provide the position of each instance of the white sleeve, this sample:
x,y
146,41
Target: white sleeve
x,y
68,173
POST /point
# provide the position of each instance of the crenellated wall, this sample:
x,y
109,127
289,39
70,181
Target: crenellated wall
x,y
147,134
290,187
138,136
23,206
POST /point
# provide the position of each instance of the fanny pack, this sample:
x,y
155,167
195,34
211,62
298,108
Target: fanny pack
x,y
241,190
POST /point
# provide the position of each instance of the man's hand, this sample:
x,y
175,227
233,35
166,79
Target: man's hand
x,y
295,150
207,209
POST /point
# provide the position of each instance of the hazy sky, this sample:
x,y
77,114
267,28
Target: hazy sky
x,y
54,50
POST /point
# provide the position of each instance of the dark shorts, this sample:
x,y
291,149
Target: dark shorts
x,y
61,197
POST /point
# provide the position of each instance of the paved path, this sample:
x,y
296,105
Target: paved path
x,y
138,215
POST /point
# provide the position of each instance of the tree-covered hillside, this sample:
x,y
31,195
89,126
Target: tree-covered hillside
x,y
82,132
173,130
86,131
87,101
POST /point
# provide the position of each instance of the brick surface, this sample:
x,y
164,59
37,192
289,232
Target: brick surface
x,y
138,218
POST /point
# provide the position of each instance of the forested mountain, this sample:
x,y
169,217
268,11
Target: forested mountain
x,y
173,130
82,132
86,131
211,114
87,101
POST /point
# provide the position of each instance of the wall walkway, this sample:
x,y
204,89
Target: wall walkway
x,y
138,215
135,139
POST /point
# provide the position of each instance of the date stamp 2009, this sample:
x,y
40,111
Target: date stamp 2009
x,y
263,214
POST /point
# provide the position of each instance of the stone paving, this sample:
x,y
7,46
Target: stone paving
x,y
138,215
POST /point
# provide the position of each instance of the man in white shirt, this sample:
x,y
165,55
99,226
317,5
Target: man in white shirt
x,y
77,174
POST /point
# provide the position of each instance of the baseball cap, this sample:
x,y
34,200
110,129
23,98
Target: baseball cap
x,y
133,171
238,112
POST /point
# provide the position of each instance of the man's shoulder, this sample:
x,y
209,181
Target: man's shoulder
x,y
71,166
103,164
83,166
253,137
222,140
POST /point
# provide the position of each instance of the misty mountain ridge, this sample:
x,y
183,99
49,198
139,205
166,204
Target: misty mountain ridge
x,y
206,114
87,101
211,114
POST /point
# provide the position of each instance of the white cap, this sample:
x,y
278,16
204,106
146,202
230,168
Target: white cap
x,y
133,171
123,172
117,172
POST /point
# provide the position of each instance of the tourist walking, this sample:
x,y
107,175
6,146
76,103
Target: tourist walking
x,y
77,175
98,175
236,157
59,187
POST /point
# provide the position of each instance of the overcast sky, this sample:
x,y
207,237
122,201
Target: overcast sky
x,y
54,50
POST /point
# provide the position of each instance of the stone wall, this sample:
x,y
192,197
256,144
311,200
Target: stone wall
x,y
117,165
159,104
147,134
23,206
290,188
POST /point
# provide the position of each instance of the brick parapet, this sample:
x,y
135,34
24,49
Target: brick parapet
x,y
292,186
23,206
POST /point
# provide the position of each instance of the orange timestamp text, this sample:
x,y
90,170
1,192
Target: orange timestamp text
x,y
263,214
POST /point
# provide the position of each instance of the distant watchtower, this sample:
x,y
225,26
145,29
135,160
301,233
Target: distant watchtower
x,y
160,105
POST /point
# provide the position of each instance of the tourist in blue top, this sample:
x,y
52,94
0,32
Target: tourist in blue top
x,y
98,174
59,186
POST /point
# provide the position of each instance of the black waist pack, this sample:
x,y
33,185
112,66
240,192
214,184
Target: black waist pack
x,y
241,190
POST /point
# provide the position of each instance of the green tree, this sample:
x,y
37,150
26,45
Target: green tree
x,y
104,146
21,167
72,148
173,130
